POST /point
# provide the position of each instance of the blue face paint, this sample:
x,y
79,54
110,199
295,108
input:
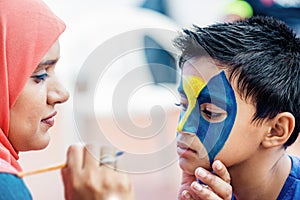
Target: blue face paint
x,y
218,92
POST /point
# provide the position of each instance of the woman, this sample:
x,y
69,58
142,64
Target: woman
x,y
29,44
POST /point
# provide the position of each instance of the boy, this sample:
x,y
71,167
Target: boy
x,y
240,99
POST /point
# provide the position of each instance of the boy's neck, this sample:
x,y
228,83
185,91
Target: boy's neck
x,y
261,177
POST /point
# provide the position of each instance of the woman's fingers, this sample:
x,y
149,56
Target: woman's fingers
x,y
75,157
108,157
85,178
90,159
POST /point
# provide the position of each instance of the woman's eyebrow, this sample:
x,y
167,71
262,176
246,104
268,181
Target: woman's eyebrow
x,y
48,62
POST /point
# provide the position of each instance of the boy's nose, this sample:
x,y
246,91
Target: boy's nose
x,y
185,138
187,128
189,121
185,134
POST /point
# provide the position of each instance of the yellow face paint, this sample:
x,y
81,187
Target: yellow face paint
x,y
192,87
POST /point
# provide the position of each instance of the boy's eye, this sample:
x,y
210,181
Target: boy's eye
x,y
183,103
39,77
183,106
213,113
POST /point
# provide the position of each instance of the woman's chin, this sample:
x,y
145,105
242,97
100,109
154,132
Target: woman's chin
x,y
39,145
42,145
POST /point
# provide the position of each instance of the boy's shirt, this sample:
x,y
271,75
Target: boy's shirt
x,y
291,187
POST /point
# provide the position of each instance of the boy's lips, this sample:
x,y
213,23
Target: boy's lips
x,y
49,120
183,148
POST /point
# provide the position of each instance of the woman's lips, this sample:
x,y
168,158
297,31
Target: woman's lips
x,y
49,120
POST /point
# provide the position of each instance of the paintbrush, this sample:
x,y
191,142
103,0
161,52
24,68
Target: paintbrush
x,y
103,161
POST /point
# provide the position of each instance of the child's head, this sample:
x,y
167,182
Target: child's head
x,y
260,57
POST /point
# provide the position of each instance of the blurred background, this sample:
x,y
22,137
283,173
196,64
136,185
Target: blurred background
x,y
94,25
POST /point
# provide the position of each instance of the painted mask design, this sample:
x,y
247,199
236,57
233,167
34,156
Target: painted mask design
x,y
212,128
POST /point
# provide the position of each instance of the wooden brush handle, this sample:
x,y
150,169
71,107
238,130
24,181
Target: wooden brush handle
x,y
22,174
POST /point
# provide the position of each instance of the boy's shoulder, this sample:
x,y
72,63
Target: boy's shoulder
x,y
291,188
295,171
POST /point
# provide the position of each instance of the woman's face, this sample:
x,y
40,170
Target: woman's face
x,y
34,111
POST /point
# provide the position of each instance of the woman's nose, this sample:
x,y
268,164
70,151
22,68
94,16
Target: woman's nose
x,y
57,93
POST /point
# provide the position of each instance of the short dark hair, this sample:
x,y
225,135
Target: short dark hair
x,y
261,53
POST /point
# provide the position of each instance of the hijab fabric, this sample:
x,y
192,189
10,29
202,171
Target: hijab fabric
x,y
28,29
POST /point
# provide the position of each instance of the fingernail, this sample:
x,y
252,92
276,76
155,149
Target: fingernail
x,y
186,195
200,172
218,165
196,186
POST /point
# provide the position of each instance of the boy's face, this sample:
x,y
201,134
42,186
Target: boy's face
x,y
214,123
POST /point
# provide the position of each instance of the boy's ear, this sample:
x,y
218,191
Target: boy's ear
x,y
281,128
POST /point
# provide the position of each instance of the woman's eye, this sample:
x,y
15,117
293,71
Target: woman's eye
x,y
40,77
212,113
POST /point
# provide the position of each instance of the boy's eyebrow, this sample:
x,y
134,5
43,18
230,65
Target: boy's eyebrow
x,y
207,97
214,99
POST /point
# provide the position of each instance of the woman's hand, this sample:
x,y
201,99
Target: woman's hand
x,y
216,186
85,178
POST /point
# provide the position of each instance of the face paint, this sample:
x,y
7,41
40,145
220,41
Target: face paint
x,y
217,92
191,87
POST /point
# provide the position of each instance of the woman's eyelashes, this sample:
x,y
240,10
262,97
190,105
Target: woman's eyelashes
x,y
40,76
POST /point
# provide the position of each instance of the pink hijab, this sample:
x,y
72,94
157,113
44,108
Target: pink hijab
x,y
28,29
